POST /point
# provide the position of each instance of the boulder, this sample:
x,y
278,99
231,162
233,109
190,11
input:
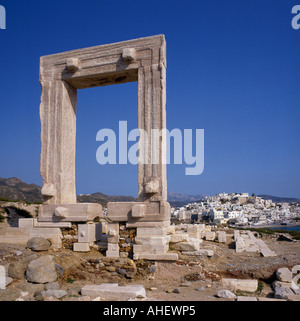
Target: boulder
x,y
52,286
192,245
74,291
38,244
41,270
226,294
30,287
283,293
279,284
284,275
9,294
54,293
296,268
16,270
240,284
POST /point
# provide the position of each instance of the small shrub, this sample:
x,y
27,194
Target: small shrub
x,y
70,280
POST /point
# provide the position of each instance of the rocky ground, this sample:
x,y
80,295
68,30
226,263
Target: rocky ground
x,y
188,279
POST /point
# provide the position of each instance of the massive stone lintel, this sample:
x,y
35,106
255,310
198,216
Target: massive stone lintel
x,y
80,212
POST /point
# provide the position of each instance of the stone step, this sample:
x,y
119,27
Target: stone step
x,y
81,247
150,249
247,285
156,257
17,235
112,291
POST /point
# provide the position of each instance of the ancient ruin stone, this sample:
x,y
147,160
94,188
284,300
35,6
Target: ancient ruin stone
x,y
112,291
283,292
240,284
38,244
41,270
226,294
284,275
17,270
54,293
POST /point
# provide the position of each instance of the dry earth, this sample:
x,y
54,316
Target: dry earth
x,y
201,276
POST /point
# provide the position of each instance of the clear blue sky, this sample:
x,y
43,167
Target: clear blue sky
x,y
233,70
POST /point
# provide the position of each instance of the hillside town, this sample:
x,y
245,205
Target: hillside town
x,y
237,209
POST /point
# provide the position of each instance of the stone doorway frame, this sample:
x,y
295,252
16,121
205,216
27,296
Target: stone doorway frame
x,y
142,60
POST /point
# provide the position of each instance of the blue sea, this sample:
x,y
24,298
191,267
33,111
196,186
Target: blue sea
x,y
287,228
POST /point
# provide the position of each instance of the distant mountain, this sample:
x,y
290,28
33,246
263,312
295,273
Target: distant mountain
x,y
278,199
15,189
175,199
103,198
184,197
178,200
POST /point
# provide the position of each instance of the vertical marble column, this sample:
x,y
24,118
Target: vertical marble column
x,y
58,140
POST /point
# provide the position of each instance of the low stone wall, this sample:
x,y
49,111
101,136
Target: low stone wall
x,y
126,241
